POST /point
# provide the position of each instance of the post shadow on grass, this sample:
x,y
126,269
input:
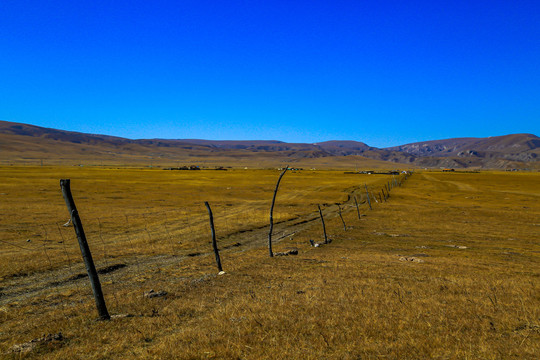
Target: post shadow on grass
x,y
214,241
271,253
85,250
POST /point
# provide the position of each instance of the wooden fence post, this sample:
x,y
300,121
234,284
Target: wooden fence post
x,y
341,216
214,242
85,250
323,227
368,200
271,253
357,209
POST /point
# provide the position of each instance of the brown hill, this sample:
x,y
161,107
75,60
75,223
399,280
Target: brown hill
x,y
344,148
29,144
23,143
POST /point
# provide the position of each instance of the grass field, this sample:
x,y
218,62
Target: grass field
x,y
141,212
472,290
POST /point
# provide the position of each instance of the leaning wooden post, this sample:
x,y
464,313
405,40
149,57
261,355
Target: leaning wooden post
x,y
341,217
368,200
387,190
383,194
214,242
271,253
85,250
357,210
323,227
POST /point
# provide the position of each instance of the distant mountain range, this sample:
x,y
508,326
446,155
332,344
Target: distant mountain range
x,y
23,142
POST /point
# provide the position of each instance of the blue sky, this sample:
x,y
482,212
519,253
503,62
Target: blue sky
x,y
382,72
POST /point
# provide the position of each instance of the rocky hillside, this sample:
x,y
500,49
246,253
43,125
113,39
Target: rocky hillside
x,y
516,147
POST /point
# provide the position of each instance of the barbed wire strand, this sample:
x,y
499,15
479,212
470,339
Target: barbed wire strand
x,y
169,235
79,289
111,274
132,246
45,245
18,246
63,241
150,242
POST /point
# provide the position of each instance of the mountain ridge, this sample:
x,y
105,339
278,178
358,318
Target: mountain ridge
x,y
521,150
515,147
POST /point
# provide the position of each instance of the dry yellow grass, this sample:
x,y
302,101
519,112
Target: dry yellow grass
x,y
350,299
137,212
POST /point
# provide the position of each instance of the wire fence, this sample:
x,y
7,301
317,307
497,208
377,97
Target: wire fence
x,y
134,250
173,232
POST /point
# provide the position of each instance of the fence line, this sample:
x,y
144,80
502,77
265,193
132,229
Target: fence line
x,y
172,232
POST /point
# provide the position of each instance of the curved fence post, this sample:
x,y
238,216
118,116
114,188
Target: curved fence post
x,y
271,253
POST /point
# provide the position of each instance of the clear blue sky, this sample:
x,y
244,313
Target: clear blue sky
x,y
382,72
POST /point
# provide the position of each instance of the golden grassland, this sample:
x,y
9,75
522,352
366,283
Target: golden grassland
x,y
475,295
142,211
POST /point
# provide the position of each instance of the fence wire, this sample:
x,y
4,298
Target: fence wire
x,y
132,251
